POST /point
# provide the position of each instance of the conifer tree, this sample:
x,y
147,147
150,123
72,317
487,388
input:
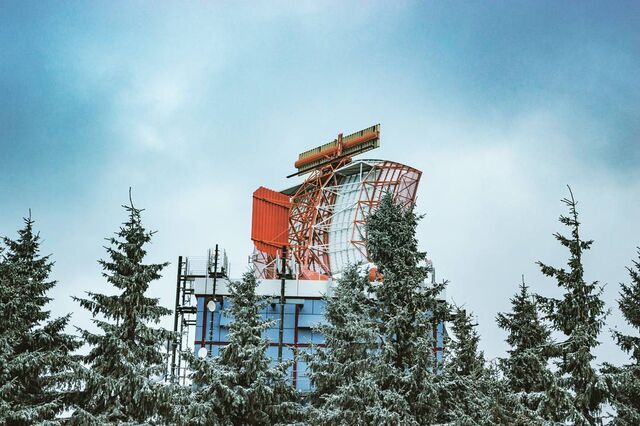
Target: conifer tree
x,y
579,315
343,372
407,310
126,357
36,364
626,379
378,366
462,398
464,359
239,387
525,369
472,392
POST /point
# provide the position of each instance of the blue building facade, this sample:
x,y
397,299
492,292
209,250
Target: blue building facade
x,y
301,315
212,330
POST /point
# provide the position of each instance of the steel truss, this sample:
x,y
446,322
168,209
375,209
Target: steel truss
x,y
398,179
329,212
311,205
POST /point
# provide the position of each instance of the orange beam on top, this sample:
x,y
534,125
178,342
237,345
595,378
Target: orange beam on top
x,y
328,153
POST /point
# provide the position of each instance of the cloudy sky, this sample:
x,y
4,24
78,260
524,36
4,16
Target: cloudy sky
x,y
194,105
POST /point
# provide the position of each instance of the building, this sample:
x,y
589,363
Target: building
x,y
304,236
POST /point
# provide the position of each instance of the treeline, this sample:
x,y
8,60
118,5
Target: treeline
x,y
377,367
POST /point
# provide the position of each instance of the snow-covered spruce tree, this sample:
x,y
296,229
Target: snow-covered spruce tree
x,y
462,398
626,379
126,360
525,369
343,372
579,315
239,387
406,310
474,393
36,364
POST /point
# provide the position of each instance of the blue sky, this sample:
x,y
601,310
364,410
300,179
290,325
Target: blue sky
x,y
500,104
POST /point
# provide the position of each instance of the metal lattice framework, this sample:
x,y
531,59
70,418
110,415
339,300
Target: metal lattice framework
x,y
360,188
264,265
311,207
328,212
398,179
327,222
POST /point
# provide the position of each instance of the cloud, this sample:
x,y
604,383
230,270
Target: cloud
x,y
492,205
196,106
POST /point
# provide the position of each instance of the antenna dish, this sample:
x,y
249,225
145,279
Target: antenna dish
x,y
202,352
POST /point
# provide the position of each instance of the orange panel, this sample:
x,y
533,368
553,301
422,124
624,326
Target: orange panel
x,y
270,220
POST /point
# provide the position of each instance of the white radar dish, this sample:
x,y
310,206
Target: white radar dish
x,y
202,352
211,306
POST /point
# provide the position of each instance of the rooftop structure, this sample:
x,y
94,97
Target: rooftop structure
x,y
304,236
321,221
